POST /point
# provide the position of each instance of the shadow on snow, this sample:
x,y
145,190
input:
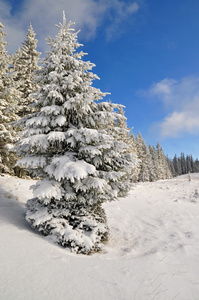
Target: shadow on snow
x,y
12,211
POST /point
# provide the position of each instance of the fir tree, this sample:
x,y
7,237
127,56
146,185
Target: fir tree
x,y
133,150
196,166
188,164
171,166
177,166
122,133
192,163
25,64
153,163
144,157
183,163
9,97
163,170
67,142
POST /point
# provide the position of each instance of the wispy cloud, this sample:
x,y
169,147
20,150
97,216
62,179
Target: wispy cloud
x,y
162,89
44,14
181,100
118,12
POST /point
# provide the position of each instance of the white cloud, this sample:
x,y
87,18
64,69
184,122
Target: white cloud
x,y
5,9
44,14
178,123
162,88
181,99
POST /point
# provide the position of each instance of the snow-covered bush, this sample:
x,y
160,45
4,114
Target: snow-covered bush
x,y
68,143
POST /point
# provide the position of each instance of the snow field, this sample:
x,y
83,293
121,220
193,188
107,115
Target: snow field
x,y
152,252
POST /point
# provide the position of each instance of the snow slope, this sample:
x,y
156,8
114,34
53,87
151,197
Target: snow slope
x,y
152,252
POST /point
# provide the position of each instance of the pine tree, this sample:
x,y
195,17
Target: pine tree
x,y
9,97
67,142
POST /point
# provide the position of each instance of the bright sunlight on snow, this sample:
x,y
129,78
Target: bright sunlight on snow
x,y
152,251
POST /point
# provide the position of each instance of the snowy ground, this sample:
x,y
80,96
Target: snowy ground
x,y
153,251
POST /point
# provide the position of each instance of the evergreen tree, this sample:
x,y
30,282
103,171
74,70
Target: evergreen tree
x,y
170,166
188,164
143,155
153,163
180,166
67,142
163,170
122,133
132,144
177,166
25,64
146,174
9,97
160,164
183,163
196,166
133,150
192,163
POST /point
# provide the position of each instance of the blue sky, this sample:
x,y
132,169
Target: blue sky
x,y
146,53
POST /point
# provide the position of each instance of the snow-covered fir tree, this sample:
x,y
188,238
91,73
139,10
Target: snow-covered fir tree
x,y
9,97
150,164
133,150
123,133
153,163
67,143
144,157
170,166
163,171
25,64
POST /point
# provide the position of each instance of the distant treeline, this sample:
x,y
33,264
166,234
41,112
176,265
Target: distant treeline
x,y
184,164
